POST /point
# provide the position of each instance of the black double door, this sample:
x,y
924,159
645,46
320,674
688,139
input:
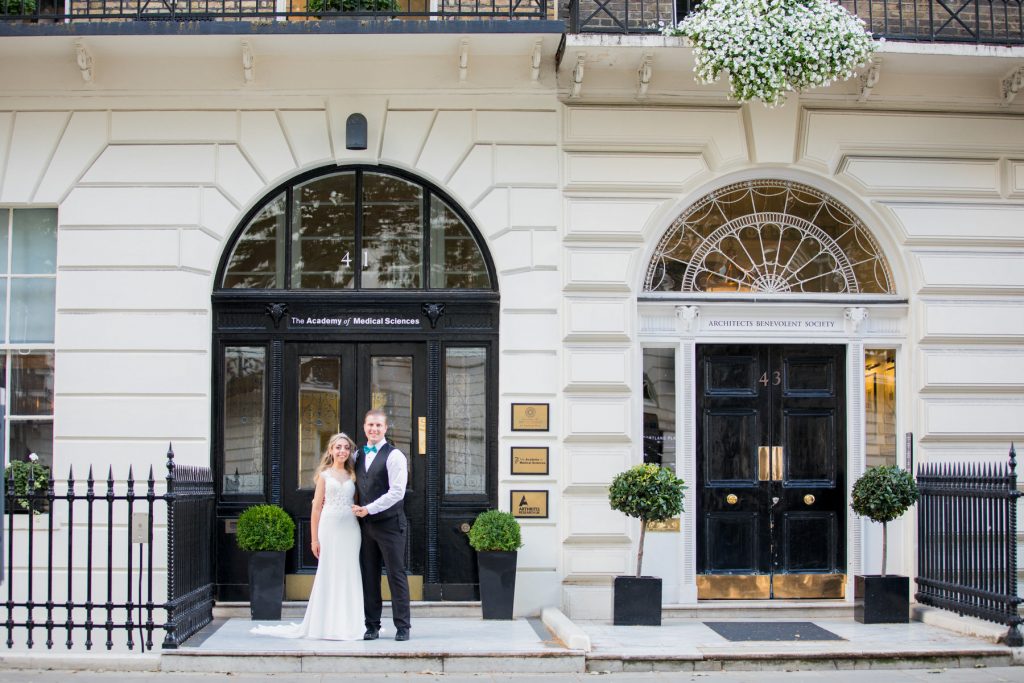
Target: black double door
x,y
328,388
771,453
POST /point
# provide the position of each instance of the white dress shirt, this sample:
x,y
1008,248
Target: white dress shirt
x,y
398,476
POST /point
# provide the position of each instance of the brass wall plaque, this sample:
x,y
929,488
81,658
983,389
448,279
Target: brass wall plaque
x,y
663,524
529,460
530,417
529,503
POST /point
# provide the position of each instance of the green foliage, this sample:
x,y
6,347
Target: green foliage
x,y
495,530
27,474
884,493
16,8
265,527
322,6
647,492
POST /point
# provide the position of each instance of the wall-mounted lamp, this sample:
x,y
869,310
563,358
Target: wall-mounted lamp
x,y
355,132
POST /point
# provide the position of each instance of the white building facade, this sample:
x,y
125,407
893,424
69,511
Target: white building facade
x,y
669,275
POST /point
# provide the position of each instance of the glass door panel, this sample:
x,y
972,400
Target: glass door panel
x,y
319,411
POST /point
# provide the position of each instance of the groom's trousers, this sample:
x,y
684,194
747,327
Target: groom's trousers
x,y
384,541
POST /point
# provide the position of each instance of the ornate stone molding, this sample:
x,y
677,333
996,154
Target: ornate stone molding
x,y
856,317
689,315
1011,85
433,313
277,312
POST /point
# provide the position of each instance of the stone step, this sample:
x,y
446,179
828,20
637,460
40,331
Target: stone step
x,y
294,610
760,609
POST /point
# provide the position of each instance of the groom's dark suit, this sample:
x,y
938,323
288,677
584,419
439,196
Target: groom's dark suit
x,y
383,539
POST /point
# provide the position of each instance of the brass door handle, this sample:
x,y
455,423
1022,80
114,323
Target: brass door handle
x,y
732,499
422,436
769,463
809,499
777,454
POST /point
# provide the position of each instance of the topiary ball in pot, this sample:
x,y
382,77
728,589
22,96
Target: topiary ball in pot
x,y
265,527
883,494
495,530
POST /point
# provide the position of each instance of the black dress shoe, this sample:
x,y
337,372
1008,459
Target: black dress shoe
x,y
371,634
402,634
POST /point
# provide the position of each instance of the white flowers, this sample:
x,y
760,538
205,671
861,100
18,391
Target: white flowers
x,y
771,47
33,457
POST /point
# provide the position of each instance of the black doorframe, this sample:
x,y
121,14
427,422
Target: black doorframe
x,y
263,319
755,526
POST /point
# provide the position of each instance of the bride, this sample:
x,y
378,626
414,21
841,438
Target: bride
x,y
335,607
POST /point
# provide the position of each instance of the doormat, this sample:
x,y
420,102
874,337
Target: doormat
x,y
770,630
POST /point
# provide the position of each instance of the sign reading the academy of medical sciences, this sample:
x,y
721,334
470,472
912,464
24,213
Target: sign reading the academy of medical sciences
x,y
527,460
351,321
529,503
529,417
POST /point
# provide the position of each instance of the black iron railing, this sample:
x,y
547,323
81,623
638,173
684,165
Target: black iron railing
x,y
967,541
952,21
79,11
83,571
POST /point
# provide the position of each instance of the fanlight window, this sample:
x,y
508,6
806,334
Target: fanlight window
x,y
768,236
356,230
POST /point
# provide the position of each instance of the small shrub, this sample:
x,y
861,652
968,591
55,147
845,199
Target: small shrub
x,y
495,530
648,492
265,527
27,474
883,494
16,8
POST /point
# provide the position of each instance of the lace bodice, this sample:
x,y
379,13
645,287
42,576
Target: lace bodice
x,y
339,492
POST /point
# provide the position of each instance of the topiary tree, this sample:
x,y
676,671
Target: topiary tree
x,y
649,493
495,530
265,527
883,494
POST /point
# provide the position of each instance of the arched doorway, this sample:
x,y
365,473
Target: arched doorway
x,y
345,289
763,276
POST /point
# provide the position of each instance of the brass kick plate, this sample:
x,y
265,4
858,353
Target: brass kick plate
x,y
819,586
729,587
298,587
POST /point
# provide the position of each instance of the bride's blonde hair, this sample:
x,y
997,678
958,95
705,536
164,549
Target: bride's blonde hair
x,y
327,460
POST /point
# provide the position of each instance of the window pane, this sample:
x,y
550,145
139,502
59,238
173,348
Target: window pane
x,y
3,309
34,248
660,406
32,307
244,391
5,217
32,436
880,406
391,391
324,233
455,259
392,232
32,383
465,413
257,261
319,411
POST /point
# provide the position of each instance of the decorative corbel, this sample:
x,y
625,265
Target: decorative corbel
x,y
577,76
1011,85
856,316
689,315
870,79
535,61
84,60
644,74
463,60
248,62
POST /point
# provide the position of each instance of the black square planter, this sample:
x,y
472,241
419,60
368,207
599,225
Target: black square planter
x,y
881,599
637,601
497,582
266,585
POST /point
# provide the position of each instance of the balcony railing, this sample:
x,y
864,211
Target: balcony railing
x,y
80,11
995,22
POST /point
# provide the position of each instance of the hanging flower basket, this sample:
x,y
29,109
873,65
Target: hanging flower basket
x,y
772,47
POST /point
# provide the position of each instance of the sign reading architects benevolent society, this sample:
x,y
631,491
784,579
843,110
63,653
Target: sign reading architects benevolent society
x,y
772,324
346,320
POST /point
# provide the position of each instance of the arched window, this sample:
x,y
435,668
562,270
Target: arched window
x,y
768,236
356,229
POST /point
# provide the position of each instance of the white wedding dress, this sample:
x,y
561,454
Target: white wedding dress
x,y
335,608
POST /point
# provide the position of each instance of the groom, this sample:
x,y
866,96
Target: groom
x,y
381,475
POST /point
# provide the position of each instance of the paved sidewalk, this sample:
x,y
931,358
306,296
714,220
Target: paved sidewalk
x,y
459,645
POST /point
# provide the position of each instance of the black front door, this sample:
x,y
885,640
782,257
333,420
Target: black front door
x,y
329,388
771,453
